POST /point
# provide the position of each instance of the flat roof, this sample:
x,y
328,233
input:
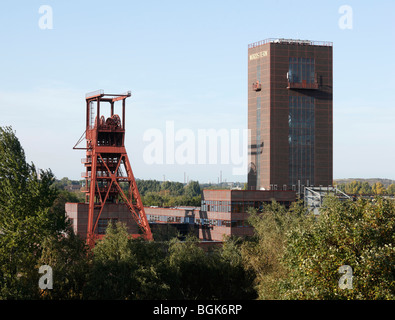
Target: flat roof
x,y
291,41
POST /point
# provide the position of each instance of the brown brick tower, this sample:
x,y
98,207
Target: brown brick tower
x,y
290,114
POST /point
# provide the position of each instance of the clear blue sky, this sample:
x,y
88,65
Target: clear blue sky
x,y
186,62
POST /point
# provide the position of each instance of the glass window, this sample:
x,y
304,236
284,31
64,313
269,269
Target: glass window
x,y
295,72
301,69
312,71
301,140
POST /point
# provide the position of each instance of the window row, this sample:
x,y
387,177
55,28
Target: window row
x,y
174,219
301,70
222,223
230,206
301,139
198,221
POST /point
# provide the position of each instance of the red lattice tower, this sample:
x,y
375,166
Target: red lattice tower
x,y
107,164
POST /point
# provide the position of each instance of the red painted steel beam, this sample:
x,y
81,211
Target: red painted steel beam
x,y
98,196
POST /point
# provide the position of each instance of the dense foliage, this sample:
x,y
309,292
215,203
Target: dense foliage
x,y
365,188
359,234
124,268
292,255
297,255
26,220
263,252
169,194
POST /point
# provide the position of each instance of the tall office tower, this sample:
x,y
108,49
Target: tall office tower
x,y
290,114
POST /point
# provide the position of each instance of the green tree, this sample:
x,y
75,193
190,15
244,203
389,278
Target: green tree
x,y
365,188
359,234
125,268
391,189
378,188
69,259
234,281
113,266
26,197
353,187
154,199
262,253
62,183
192,189
57,210
192,270
153,275
341,186
174,188
184,201
145,186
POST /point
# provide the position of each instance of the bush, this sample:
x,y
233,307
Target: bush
x,y
359,234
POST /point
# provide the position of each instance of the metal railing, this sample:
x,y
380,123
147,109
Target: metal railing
x,y
302,85
291,41
94,93
312,84
256,86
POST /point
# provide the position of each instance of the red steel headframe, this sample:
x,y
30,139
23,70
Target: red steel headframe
x,y
106,158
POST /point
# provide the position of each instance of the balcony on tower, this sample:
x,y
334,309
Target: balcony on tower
x,y
302,74
302,84
256,86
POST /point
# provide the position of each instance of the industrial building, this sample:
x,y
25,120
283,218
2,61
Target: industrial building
x,y
222,212
290,118
78,214
225,212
